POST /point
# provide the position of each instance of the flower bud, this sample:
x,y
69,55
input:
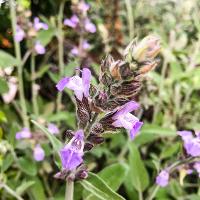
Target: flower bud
x,y
95,139
145,50
81,174
88,146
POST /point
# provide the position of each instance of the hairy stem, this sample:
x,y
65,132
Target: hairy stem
x,y
34,89
60,50
130,18
19,67
69,193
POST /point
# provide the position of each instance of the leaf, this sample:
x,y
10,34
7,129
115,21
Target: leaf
x,y
114,175
57,145
2,117
24,186
45,36
99,188
37,190
42,70
3,86
27,166
138,172
7,60
7,162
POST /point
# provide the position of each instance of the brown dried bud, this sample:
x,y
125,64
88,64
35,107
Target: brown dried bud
x,y
95,139
148,66
83,111
97,128
88,146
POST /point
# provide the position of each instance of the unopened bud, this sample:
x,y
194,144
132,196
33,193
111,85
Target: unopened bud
x,y
82,174
95,139
88,146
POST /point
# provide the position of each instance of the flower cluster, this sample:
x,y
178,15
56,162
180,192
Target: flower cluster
x,y
106,107
27,29
191,143
33,138
82,25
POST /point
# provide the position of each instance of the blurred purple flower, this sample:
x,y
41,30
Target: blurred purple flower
x,y
38,153
37,24
89,26
53,129
123,118
71,155
80,85
162,179
84,7
72,22
19,35
191,143
75,50
24,133
39,48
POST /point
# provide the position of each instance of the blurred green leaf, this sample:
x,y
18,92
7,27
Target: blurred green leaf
x,y
24,186
99,188
7,60
2,117
138,172
45,36
7,162
28,166
42,70
3,86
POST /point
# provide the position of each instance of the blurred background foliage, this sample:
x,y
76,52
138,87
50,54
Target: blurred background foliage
x,y
169,99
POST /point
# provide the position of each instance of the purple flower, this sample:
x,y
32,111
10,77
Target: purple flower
x,y
84,7
52,128
197,167
123,118
19,35
39,25
38,153
80,85
162,179
39,48
71,155
86,45
72,22
75,50
24,133
89,26
191,143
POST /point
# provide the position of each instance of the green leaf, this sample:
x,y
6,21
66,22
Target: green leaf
x,y
7,60
7,162
45,36
2,117
42,70
37,190
99,188
24,186
27,166
57,145
114,175
138,172
3,86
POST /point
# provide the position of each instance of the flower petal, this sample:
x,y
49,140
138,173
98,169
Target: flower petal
x,y
86,77
62,83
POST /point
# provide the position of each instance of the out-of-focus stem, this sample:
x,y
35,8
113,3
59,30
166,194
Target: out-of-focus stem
x,y
69,193
19,65
34,89
60,49
153,194
130,18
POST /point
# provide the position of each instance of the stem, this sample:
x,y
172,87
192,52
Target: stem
x,y
153,194
130,18
140,195
69,193
19,67
34,89
10,191
87,129
60,50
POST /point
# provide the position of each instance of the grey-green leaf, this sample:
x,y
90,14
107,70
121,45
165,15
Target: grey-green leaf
x,y
99,188
138,172
7,60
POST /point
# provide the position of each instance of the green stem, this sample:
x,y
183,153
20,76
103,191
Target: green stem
x,y
69,193
130,18
19,67
153,194
60,50
34,89
140,195
10,191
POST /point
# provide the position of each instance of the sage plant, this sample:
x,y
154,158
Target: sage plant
x,y
106,107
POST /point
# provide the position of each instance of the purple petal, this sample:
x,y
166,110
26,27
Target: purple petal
x,y
126,108
52,128
24,133
79,134
89,26
19,35
86,76
62,83
86,45
84,7
38,153
75,51
136,128
185,135
162,179
39,48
